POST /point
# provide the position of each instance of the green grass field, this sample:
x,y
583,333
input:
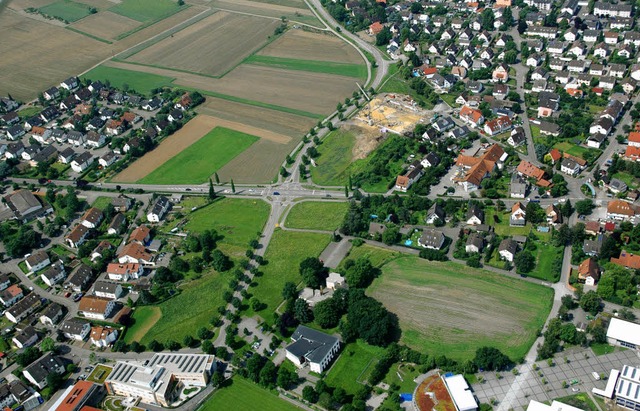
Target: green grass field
x,y
66,10
237,220
317,215
136,81
335,159
144,318
242,395
450,309
146,10
353,366
546,254
201,296
284,254
192,166
581,400
101,202
378,256
341,69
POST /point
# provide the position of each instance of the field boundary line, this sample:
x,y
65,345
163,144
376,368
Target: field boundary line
x,y
276,18
289,64
144,25
130,52
366,367
91,36
135,63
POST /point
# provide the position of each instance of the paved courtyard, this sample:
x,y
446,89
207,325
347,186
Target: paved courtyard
x,y
529,384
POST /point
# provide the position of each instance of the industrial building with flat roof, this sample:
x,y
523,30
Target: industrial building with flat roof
x,y
160,379
555,406
624,333
624,386
460,392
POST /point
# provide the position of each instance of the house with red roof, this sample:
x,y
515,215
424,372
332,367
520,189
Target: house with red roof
x,y
634,139
471,116
555,155
375,28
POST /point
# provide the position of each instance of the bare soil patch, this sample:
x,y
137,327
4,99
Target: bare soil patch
x,y
211,46
306,45
393,112
259,163
187,135
367,138
106,25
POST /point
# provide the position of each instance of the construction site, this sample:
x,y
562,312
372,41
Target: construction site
x,y
393,113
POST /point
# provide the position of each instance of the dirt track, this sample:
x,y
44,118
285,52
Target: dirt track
x,y
189,134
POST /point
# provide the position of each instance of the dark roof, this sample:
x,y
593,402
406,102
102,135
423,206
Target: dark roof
x,y
52,310
73,326
25,335
476,211
160,205
44,366
81,276
311,344
105,287
508,245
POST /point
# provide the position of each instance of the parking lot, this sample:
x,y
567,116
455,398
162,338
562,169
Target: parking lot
x,y
532,387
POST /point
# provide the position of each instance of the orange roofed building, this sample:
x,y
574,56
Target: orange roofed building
x,y
627,260
632,153
529,170
375,28
471,116
78,396
477,168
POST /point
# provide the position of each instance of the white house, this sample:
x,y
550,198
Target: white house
x,y
507,249
37,261
38,371
313,347
75,329
103,337
124,272
159,209
99,308
624,334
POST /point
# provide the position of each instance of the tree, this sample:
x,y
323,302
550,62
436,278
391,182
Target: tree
x,y
215,176
511,57
217,379
219,261
383,38
268,375
54,381
302,312
309,394
360,273
233,186
313,272
591,302
29,355
585,207
534,213
286,378
524,261
327,313
566,209
48,344
391,236
212,191
487,18
289,291
490,359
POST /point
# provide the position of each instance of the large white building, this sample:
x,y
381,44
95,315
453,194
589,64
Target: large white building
x,y
160,380
624,333
313,347
460,392
555,406
624,386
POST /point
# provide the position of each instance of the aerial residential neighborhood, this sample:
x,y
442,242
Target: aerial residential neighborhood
x,y
424,205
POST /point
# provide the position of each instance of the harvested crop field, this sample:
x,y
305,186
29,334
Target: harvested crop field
x,y
272,120
105,25
185,137
26,40
274,9
259,163
450,309
312,92
306,45
212,46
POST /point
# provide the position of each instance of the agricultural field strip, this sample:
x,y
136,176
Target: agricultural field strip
x,y
193,79
314,66
189,134
190,167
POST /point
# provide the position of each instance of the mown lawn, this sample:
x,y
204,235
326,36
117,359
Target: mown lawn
x,y
66,10
545,256
136,81
284,254
450,309
580,400
376,255
238,220
183,314
146,10
341,69
101,202
336,156
242,395
317,215
353,366
197,163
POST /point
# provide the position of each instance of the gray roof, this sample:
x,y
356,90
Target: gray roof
x,y
437,210
81,276
23,200
105,287
53,271
475,239
311,344
52,311
44,366
593,247
508,245
73,326
25,335
160,205
432,238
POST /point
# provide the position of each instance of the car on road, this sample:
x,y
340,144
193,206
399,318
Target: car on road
x,y
187,189
276,193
